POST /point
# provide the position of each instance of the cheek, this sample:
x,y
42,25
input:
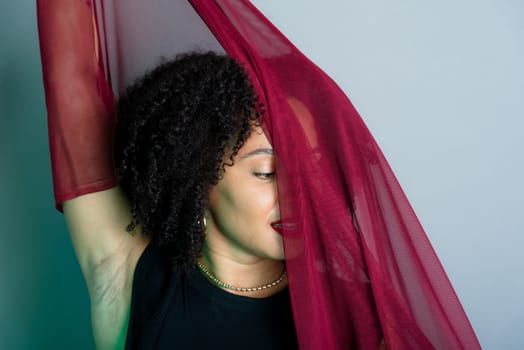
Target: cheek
x,y
220,202
227,204
239,203
251,197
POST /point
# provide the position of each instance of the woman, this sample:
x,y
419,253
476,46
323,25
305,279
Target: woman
x,y
201,175
359,266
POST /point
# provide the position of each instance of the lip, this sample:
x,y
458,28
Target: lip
x,y
281,226
277,226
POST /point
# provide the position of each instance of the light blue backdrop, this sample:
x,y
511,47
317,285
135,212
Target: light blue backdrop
x,y
440,85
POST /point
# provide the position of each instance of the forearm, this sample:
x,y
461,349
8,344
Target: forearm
x,y
79,101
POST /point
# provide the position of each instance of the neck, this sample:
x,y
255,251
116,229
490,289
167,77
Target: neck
x,y
244,271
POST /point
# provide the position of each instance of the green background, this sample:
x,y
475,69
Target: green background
x,y
43,299
439,84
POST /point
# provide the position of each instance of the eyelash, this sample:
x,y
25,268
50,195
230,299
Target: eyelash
x,y
264,176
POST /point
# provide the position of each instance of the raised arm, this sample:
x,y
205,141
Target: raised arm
x,y
81,126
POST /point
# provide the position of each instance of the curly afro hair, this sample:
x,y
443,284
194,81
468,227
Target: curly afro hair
x,y
178,127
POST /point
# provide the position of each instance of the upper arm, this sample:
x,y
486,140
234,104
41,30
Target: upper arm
x,y
108,255
97,224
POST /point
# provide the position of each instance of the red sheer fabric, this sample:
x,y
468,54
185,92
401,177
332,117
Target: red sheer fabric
x,y
79,101
359,264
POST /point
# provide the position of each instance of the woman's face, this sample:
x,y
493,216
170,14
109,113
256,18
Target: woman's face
x,y
244,204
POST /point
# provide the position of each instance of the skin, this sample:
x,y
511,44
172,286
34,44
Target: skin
x,y
241,247
108,255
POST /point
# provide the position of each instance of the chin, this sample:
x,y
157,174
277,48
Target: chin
x,y
276,251
278,255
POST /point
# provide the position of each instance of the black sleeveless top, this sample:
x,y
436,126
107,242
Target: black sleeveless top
x,y
172,310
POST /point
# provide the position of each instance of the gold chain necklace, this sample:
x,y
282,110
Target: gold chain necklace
x,y
239,289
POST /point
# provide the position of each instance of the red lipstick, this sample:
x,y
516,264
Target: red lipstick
x,y
277,226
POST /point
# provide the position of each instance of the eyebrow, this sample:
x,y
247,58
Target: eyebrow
x,y
258,151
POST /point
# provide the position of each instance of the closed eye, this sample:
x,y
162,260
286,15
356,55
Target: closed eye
x,y
264,176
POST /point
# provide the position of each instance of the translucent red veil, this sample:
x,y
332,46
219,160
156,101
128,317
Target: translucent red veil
x,y
360,266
